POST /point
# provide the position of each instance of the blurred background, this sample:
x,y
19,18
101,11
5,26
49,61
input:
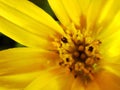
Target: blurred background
x,y
6,42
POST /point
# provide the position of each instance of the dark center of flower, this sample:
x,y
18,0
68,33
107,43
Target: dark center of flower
x,y
79,54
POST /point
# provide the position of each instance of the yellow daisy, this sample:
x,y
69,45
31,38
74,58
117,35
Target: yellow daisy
x,y
81,52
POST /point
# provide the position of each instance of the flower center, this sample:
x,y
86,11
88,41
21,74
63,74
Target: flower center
x,y
79,53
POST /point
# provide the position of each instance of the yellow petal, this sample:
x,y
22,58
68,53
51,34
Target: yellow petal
x,y
112,64
22,36
73,9
17,81
102,15
23,60
113,68
3,88
110,45
110,10
94,11
61,83
111,53
66,11
51,81
111,28
108,81
84,6
77,84
92,86
60,12
110,38
29,16
19,66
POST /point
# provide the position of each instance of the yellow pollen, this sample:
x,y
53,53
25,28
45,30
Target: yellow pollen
x,y
79,66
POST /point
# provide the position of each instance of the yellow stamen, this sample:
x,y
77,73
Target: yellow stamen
x,y
79,54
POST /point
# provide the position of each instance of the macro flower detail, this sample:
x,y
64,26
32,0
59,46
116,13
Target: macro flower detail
x,y
79,51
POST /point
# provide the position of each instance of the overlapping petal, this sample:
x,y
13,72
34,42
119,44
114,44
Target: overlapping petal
x,y
17,81
77,85
110,10
35,29
112,64
29,16
22,67
110,45
92,86
108,81
56,79
19,66
67,11
113,27
23,36
103,16
94,10
84,6
22,60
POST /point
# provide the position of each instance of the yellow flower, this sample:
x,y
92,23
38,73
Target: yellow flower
x,y
81,52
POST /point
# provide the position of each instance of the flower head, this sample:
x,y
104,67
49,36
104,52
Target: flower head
x,y
79,52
